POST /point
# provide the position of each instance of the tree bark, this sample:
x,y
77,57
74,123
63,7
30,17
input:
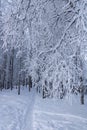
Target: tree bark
x,y
82,95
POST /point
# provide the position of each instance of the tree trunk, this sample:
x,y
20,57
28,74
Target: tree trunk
x,y
19,86
12,65
82,95
82,91
30,83
43,92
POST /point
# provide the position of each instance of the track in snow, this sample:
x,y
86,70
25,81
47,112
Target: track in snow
x,y
16,111
52,121
29,114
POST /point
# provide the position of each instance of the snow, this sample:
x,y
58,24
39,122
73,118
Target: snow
x,y
15,111
54,114
29,111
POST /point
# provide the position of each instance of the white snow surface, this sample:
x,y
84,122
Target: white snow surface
x,y
30,112
16,111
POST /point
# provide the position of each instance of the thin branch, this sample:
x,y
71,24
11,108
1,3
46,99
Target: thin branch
x,y
62,38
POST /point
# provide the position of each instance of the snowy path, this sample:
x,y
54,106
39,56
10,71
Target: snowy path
x,y
59,115
16,111
31,112
53,121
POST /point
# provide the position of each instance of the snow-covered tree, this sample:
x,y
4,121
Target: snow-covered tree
x,y
43,45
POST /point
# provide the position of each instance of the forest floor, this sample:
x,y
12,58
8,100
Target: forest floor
x,y
30,112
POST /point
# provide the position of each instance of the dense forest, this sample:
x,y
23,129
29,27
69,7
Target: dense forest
x,y
43,44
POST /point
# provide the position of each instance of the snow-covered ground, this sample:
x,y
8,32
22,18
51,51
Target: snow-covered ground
x,y
57,114
30,112
16,111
